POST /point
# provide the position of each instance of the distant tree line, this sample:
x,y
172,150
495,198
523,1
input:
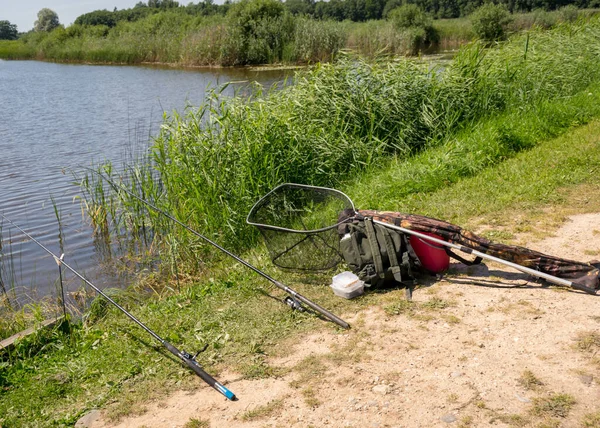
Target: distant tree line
x,y
8,31
364,10
339,10
142,10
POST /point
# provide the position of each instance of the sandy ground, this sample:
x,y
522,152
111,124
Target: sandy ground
x,y
499,354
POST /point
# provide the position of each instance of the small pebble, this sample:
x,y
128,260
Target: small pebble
x,y
381,389
449,418
586,379
522,399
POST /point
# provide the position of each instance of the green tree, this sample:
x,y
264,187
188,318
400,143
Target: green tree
x,y
409,15
300,7
490,21
416,25
98,17
258,32
163,4
47,20
8,31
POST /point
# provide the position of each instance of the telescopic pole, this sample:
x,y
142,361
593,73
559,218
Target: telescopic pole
x,y
295,295
533,272
188,359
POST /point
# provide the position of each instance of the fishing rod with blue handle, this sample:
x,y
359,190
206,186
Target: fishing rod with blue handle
x,y
296,297
188,359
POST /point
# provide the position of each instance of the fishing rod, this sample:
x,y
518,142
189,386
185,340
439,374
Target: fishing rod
x,y
188,359
550,278
295,299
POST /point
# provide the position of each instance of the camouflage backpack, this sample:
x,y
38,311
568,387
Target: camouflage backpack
x,y
377,255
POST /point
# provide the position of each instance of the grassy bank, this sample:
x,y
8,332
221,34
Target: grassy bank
x,y
209,166
476,139
188,40
52,379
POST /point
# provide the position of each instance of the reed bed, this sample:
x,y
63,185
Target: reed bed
x,y
188,40
210,164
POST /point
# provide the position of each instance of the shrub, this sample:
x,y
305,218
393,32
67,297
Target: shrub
x,y
416,26
259,30
544,19
409,15
490,21
569,13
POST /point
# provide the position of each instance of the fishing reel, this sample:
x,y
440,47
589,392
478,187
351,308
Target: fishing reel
x,y
294,304
193,357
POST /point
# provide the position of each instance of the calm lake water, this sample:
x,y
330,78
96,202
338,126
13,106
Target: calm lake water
x,y
58,118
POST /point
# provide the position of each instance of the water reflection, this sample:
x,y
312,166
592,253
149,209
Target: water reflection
x,y
55,118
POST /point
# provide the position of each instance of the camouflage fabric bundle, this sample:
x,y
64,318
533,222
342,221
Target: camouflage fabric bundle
x,y
586,274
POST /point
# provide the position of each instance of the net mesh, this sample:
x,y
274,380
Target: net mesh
x,y
299,225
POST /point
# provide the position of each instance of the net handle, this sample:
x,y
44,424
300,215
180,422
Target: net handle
x,y
261,201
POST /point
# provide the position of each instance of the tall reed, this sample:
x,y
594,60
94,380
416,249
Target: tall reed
x,y
179,38
209,165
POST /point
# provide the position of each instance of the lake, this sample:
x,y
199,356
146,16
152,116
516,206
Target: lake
x,y
57,119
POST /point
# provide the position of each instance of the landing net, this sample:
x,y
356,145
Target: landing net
x,y
300,225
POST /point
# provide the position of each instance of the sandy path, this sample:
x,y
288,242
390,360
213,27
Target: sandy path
x,y
461,365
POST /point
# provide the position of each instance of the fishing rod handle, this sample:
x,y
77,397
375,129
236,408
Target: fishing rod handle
x,y
315,307
193,364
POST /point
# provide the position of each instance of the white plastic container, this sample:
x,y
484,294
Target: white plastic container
x,y
347,285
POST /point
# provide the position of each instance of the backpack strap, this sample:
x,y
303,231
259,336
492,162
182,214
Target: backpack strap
x,y
464,261
372,238
408,258
393,257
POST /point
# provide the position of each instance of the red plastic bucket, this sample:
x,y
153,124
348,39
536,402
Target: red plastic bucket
x,y
433,257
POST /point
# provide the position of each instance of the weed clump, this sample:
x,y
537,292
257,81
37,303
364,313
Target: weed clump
x,y
588,341
530,381
401,307
555,405
260,412
591,420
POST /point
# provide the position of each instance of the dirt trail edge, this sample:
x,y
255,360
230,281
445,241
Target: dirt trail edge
x,y
483,347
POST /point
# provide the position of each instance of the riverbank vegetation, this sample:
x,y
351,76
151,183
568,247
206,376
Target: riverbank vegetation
x,y
476,138
254,32
107,363
337,120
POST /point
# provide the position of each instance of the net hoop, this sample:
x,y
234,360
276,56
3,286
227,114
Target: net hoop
x,y
265,198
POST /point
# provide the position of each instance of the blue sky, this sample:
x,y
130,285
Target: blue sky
x,y
23,13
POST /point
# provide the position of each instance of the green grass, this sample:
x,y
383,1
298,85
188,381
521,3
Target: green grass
x,y
423,183
111,363
111,356
555,405
496,161
14,49
453,32
339,121
269,409
187,40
